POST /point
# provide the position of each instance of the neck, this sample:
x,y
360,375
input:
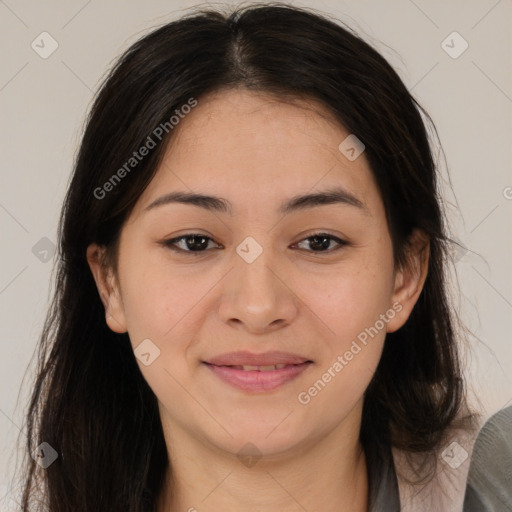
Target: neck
x,y
330,475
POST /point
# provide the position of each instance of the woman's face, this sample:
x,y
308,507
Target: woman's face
x,y
256,288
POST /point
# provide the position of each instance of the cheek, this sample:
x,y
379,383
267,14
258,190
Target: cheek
x,y
356,309
160,308
352,350
356,306
156,297
339,386
350,301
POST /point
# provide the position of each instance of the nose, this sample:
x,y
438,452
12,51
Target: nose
x,y
257,296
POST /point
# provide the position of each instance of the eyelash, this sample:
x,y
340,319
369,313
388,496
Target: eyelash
x,y
170,244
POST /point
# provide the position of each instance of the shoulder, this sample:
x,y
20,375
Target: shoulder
x,y
489,484
437,481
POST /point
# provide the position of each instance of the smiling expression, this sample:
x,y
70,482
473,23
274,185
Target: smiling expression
x,y
291,260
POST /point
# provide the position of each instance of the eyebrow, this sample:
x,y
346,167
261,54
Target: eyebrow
x,y
336,195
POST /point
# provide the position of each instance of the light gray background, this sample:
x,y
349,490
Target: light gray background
x,y
44,102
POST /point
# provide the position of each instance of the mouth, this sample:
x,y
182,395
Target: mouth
x,y
251,368
244,358
257,372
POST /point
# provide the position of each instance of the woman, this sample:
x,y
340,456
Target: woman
x,y
251,308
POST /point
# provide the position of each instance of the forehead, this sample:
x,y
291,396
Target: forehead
x,y
242,144
243,120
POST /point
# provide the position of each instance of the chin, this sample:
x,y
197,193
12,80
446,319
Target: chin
x,y
252,440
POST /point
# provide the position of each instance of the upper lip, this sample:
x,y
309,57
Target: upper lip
x,y
264,359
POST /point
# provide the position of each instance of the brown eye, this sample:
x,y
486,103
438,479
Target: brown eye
x,y
196,244
320,242
191,242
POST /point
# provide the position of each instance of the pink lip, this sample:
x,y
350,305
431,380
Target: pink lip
x,y
225,367
247,358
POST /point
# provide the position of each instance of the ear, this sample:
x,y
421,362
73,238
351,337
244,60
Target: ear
x,y
410,279
108,288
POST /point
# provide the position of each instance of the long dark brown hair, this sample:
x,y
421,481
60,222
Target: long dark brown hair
x,y
90,402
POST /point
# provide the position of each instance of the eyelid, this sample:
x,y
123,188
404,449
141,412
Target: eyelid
x,y
169,243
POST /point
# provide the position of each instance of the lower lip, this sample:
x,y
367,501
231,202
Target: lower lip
x,y
258,380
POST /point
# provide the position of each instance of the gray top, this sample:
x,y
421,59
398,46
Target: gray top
x,y
384,494
489,485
